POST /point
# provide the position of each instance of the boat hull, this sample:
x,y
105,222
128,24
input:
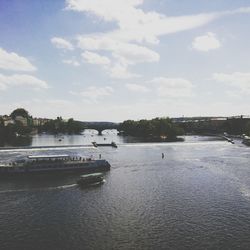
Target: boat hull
x,y
98,165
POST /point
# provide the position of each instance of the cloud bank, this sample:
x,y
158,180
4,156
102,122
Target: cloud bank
x,y
21,80
14,62
137,33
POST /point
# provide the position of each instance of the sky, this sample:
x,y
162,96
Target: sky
x,y
113,60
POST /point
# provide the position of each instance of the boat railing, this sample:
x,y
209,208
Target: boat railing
x,y
66,160
42,162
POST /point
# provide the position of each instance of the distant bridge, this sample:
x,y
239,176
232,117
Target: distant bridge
x,y
101,126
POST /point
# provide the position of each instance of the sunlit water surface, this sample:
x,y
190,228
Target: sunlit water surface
x,y
196,197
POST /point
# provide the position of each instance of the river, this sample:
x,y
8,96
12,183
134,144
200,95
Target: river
x,y
196,197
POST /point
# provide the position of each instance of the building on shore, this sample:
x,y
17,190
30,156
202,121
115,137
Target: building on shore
x,y
7,120
22,120
39,121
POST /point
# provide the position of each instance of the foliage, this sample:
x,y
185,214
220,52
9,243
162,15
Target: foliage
x,y
233,126
158,127
60,126
19,112
18,130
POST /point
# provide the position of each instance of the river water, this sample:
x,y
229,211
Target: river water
x,y
196,197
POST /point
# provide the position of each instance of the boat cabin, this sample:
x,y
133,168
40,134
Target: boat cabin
x,y
49,157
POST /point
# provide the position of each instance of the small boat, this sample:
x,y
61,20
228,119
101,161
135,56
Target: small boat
x,y
93,178
227,138
112,144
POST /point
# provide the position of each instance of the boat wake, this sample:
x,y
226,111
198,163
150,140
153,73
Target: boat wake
x,y
62,187
38,189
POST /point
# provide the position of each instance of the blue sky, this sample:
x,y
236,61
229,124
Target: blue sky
x,y
116,59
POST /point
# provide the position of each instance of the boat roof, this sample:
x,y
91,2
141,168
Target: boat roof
x,y
47,156
91,175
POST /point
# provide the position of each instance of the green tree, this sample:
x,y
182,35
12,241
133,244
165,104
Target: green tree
x,y
74,127
158,127
19,112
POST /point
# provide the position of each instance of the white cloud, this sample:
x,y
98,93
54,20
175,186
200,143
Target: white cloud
x,y
123,54
117,69
237,79
72,62
93,93
134,26
206,42
137,88
22,80
132,53
138,25
61,43
120,71
107,9
172,87
128,52
94,58
12,61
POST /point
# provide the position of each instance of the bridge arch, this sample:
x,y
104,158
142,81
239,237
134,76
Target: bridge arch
x,y
101,126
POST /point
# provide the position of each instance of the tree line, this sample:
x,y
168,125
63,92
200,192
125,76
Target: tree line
x,y
233,126
154,128
60,126
17,128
